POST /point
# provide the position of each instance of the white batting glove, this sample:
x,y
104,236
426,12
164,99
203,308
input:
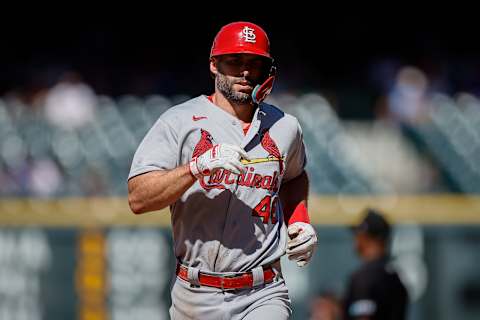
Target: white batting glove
x,y
302,242
220,156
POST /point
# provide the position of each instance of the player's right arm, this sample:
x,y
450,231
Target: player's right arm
x,y
158,189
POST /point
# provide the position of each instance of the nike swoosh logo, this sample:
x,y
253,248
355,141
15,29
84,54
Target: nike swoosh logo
x,y
194,118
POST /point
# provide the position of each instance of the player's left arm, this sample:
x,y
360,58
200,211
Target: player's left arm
x,y
302,236
294,197
293,194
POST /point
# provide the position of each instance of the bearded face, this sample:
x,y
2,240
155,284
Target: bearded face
x,y
225,85
237,75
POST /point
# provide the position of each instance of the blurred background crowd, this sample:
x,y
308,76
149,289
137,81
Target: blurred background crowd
x,y
68,139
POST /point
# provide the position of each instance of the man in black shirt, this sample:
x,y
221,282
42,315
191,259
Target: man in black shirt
x,y
375,290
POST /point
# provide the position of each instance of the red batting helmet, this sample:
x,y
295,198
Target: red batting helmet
x,y
241,37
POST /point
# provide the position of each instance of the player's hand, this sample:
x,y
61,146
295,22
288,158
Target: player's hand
x,y
302,242
220,156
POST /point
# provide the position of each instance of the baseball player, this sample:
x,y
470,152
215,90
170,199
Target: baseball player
x,y
231,168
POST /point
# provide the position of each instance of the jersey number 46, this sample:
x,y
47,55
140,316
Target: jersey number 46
x,y
266,209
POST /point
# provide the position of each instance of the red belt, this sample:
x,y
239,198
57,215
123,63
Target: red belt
x,y
240,281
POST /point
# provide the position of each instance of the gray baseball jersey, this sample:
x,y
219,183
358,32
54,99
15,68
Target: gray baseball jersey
x,y
226,222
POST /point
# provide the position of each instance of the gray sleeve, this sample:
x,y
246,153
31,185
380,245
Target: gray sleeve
x,y
296,158
157,151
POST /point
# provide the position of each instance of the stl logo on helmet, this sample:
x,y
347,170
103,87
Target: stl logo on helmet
x,y
249,35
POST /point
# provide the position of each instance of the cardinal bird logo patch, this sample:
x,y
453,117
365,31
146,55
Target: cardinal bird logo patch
x,y
273,152
205,143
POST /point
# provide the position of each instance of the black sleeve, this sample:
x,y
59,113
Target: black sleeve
x,y
400,301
